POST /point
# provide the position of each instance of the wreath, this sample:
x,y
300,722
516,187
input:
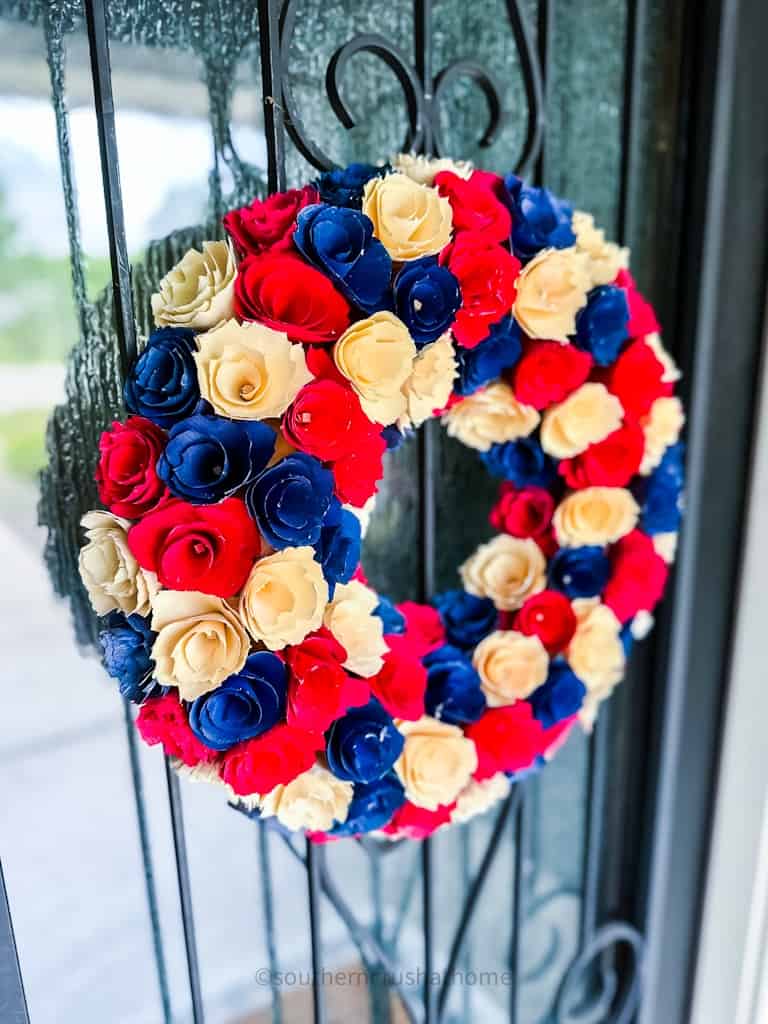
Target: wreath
x,y
288,359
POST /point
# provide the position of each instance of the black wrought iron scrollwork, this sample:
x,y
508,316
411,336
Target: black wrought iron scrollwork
x,y
424,94
592,989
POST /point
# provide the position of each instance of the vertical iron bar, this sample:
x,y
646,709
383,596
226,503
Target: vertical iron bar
x,y
125,327
595,800
519,829
272,92
422,39
545,30
265,873
422,42
465,840
427,515
630,129
377,985
430,992
146,855
98,42
185,892
314,854
13,1002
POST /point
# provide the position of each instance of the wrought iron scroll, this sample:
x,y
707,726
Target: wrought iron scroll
x,y
423,91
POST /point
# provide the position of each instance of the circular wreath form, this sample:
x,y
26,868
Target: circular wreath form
x,y
286,361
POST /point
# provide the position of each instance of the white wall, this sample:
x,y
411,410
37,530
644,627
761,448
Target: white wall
x,y
732,974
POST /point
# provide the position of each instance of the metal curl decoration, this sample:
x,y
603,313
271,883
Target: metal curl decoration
x,y
618,997
423,92
396,60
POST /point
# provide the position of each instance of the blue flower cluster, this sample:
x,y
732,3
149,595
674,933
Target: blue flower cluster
x,y
344,186
524,462
163,384
340,242
126,644
559,697
453,686
207,458
661,495
579,572
244,705
372,806
539,219
427,297
601,326
364,744
486,362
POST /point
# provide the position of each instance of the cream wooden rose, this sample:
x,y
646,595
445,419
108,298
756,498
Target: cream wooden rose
x,y
507,570
478,797
551,289
361,633
284,598
200,641
313,800
248,371
412,220
665,545
376,356
511,666
596,652
587,416
111,575
430,384
424,169
436,763
198,291
595,515
490,416
606,259
671,373
661,428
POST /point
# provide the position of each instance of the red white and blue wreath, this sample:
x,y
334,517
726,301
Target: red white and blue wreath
x,y
286,361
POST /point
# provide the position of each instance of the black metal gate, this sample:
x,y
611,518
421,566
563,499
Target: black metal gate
x,y
586,883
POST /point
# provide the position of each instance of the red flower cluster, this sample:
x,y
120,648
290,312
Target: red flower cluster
x,y
163,720
327,421
320,690
609,463
508,739
268,223
548,372
636,379
412,822
525,512
210,548
549,616
272,759
285,293
474,206
486,273
402,682
638,576
126,474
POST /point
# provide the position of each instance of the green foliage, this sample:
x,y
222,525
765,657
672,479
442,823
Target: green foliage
x,y
37,312
22,442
